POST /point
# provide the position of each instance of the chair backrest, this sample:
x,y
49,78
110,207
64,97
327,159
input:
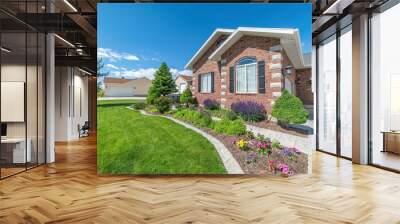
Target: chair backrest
x,y
86,125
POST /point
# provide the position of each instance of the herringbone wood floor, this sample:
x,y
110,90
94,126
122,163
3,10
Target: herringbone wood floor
x,y
69,191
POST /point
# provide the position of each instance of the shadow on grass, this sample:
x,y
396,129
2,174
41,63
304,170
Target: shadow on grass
x,y
111,103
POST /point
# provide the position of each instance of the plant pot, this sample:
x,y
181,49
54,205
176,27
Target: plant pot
x,y
283,125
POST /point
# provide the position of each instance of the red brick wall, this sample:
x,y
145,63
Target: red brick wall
x,y
304,86
202,66
258,47
292,77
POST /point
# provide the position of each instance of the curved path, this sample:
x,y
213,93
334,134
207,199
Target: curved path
x,y
230,163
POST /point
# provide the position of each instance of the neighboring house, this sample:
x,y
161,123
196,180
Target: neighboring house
x,y
182,82
250,64
121,87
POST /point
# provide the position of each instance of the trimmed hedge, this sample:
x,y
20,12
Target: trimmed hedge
x,y
289,109
139,106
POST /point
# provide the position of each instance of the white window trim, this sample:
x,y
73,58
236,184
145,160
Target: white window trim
x,y
202,82
245,69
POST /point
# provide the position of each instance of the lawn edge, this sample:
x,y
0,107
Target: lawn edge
x,y
230,163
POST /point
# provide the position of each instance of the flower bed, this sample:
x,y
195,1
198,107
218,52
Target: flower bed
x,y
255,154
259,155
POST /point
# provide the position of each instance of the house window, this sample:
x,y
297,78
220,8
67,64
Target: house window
x,y
182,87
246,76
206,83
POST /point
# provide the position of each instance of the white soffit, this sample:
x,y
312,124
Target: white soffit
x,y
289,38
214,36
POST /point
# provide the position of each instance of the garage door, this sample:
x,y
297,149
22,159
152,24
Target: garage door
x,y
119,91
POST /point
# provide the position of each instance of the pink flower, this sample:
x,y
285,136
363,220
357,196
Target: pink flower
x,y
285,169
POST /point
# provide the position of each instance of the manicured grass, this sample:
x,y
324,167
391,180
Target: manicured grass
x,y
131,143
117,102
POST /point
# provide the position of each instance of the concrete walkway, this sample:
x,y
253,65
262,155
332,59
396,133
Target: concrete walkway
x,y
230,163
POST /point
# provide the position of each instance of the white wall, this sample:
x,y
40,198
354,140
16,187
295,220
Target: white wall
x,y
71,87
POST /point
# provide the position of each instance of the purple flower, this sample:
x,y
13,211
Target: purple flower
x,y
211,104
249,110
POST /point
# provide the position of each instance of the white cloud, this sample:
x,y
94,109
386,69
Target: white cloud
x,y
107,53
175,72
112,66
131,57
145,72
186,72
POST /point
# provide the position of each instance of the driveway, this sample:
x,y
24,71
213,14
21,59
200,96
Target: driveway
x,y
123,98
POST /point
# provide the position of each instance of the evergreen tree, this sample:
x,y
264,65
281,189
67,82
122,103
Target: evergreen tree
x,y
162,84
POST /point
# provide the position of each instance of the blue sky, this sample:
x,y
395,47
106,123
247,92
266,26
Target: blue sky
x,y
133,39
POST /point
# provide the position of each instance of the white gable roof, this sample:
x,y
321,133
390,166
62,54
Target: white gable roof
x,y
289,39
214,36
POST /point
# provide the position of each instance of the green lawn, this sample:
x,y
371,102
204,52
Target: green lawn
x,y
131,143
117,102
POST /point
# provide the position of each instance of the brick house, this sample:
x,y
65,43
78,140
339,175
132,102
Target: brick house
x,y
250,64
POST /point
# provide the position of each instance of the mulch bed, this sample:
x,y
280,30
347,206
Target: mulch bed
x,y
259,166
275,127
259,163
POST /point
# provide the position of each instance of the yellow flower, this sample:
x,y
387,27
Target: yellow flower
x,y
241,143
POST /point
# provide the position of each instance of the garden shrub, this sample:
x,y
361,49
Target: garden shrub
x,y
153,110
194,117
228,127
193,102
276,144
250,135
163,104
178,106
225,114
186,97
139,106
289,109
249,111
211,104
100,92
236,127
205,119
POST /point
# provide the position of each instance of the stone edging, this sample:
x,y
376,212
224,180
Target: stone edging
x,y
230,163
304,144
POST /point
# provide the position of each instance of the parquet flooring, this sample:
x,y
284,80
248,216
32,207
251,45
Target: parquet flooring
x,y
69,191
